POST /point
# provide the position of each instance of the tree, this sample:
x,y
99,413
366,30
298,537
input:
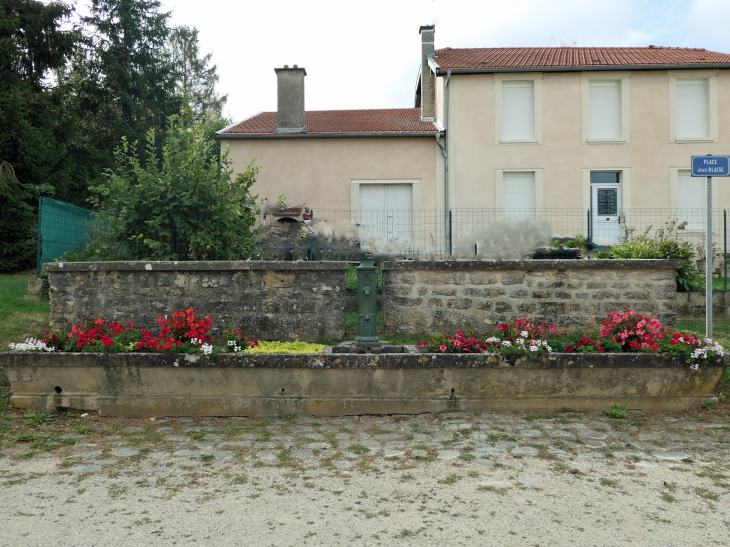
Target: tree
x,y
195,78
183,204
34,123
18,222
123,80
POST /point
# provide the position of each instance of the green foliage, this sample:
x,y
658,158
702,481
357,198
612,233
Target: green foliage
x,y
38,418
180,206
577,242
617,412
665,244
195,78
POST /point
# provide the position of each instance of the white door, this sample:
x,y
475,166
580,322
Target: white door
x,y
605,204
386,216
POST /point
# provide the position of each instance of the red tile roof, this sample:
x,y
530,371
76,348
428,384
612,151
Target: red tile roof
x,y
556,57
322,122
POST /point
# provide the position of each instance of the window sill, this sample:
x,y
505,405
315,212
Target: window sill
x,y
682,140
606,141
527,141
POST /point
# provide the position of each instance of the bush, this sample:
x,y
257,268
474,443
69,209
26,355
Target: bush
x,y
185,205
665,244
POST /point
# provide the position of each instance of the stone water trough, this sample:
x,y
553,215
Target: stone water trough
x,y
331,384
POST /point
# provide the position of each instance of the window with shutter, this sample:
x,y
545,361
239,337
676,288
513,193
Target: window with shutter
x,y
692,119
605,110
691,197
518,110
518,194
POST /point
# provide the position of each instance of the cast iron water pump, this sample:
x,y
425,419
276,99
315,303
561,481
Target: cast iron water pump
x,y
366,304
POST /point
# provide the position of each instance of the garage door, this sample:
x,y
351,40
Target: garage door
x,y
386,215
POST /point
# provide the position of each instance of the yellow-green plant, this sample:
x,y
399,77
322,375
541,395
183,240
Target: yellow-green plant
x,y
286,347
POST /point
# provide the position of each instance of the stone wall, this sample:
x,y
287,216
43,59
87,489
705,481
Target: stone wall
x,y
268,300
691,305
443,296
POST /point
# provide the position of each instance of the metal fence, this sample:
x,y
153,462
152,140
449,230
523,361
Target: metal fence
x,y
434,232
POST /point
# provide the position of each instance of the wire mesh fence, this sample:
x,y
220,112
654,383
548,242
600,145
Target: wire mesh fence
x,y
435,233
425,233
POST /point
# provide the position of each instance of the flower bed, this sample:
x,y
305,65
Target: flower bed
x,y
523,366
182,332
624,332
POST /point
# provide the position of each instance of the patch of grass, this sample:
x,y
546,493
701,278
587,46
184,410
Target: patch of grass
x,y
609,482
668,498
451,479
706,494
38,418
359,449
617,412
496,490
19,318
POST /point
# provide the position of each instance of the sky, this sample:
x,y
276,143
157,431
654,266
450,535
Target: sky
x,y
365,54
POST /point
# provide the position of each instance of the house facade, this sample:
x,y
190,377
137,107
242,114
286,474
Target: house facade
x,y
586,138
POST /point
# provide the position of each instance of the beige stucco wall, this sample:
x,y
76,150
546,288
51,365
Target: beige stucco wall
x,y
320,171
474,156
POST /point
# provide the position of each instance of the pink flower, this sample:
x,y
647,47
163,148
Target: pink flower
x,y
442,347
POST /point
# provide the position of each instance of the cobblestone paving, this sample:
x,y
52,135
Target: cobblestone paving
x,y
673,472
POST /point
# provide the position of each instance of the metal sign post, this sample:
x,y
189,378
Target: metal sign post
x,y
709,166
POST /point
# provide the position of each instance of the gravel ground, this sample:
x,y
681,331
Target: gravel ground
x,y
450,479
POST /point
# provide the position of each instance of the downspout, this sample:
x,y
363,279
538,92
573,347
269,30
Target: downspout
x,y
445,152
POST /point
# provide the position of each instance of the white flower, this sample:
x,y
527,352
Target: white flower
x,y
524,334
534,348
231,342
30,344
207,349
507,343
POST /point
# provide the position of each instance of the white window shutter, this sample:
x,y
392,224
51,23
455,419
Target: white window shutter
x,y
518,110
604,113
518,194
692,108
692,200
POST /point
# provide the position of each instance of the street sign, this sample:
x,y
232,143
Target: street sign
x,y
710,166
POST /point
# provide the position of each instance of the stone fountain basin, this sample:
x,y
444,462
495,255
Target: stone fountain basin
x,y
333,384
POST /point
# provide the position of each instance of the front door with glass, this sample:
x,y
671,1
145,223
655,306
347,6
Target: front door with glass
x,y
605,207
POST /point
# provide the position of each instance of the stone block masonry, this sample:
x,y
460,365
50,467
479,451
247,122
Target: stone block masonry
x,y
444,296
268,300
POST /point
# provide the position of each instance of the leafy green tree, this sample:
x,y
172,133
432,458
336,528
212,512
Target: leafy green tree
x,y
195,77
183,204
123,80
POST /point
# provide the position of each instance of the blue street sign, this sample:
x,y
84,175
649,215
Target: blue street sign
x,y
710,166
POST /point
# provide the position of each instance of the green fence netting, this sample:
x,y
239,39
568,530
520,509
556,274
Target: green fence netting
x,y
62,228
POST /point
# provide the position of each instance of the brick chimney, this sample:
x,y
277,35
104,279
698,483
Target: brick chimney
x,y
428,98
290,99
